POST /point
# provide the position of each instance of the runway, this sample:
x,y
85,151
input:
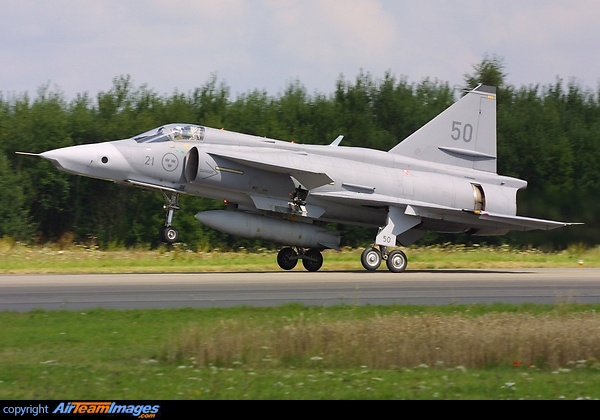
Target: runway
x,y
202,290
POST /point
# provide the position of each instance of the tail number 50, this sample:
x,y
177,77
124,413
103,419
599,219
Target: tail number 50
x,y
460,131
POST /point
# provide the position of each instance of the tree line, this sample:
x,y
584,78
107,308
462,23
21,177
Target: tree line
x,y
548,135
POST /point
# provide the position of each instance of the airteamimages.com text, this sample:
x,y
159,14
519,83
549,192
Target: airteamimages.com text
x,y
109,407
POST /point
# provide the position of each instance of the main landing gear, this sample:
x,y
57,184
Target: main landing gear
x,y
168,233
396,260
312,259
399,222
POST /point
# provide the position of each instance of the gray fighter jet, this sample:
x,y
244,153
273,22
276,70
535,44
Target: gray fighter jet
x,y
442,178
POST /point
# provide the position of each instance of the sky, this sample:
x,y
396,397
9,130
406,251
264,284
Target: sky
x,y
79,46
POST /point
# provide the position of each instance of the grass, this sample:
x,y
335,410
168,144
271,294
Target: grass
x,y
392,341
16,258
297,352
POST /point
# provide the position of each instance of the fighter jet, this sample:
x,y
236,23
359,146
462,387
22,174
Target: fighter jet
x,y
442,178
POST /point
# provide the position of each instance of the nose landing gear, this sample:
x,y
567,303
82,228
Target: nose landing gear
x,y
168,233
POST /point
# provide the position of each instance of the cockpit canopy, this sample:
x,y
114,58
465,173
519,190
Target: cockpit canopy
x,y
172,132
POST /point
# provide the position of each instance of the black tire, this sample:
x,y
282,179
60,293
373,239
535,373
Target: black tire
x,y
371,259
397,261
168,234
286,258
314,260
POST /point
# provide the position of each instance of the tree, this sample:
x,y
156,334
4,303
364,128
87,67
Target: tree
x,y
489,72
547,135
14,218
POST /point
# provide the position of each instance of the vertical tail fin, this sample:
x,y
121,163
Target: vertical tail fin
x,y
463,135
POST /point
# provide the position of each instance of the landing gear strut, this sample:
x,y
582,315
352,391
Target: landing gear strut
x,y
298,203
396,261
312,259
168,233
399,222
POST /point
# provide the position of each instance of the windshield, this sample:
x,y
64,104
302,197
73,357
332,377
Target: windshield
x,y
172,132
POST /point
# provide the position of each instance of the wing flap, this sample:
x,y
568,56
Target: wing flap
x,y
436,212
523,223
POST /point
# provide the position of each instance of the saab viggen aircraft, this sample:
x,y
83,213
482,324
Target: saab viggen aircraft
x,y
442,178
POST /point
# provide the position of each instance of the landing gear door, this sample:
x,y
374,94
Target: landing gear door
x,y
398,222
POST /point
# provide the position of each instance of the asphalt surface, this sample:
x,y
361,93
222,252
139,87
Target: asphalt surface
x,y
201,290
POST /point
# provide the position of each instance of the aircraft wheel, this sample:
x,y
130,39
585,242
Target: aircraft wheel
x,y
371,259
397,261
168,234
313,261
287,258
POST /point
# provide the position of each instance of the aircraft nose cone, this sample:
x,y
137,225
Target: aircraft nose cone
x,y
75,159
102,160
